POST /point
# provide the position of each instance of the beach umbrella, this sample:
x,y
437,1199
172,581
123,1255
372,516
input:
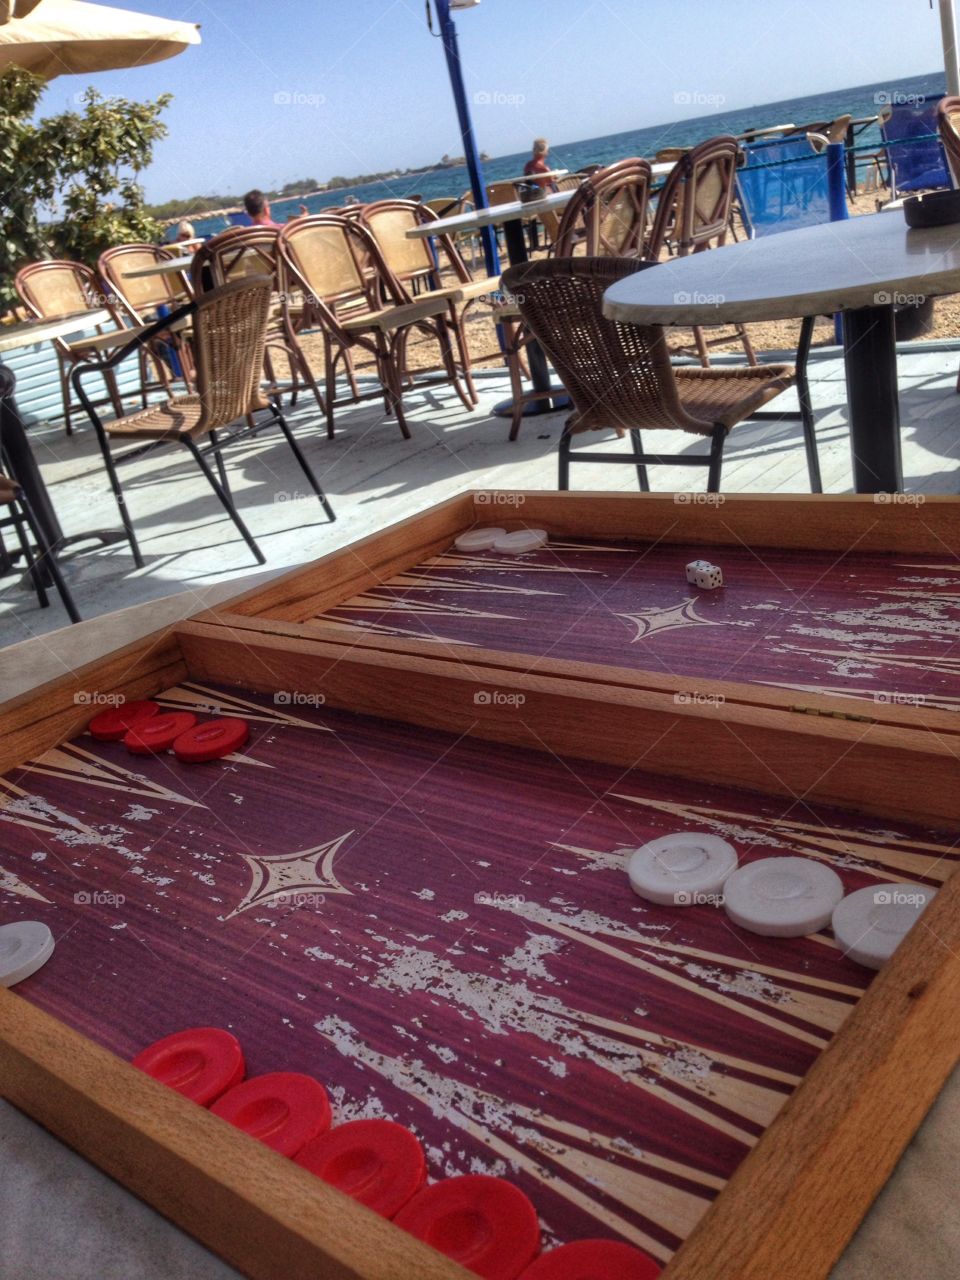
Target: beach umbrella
x,y
448,34
948,25
70,37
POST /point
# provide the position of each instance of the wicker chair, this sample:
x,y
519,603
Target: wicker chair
x,y
238,254
145,299
414,266
353,298
620,376
693,215
51,289
948,125
21,519
229,333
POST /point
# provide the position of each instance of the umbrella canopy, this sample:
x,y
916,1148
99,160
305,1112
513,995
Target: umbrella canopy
x,y
70,37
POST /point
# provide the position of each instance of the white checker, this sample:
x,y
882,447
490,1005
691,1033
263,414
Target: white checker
x,y
782,897
522,540
681,870
25,946
479,539
870,924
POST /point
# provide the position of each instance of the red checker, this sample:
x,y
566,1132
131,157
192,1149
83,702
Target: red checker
x,y
593,1260
159,733
378,1162
486,1224
283,1109
112,725
212,740
201,1063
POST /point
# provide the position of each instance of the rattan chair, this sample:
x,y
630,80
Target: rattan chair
x,y
21,519
413,264
948,125
229,334
238,254
145,299
52,289
620,377
693,215
352,297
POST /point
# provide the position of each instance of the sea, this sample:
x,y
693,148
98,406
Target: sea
x,y
860,102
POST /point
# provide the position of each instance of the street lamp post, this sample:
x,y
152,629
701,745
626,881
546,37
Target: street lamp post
x,y
448,33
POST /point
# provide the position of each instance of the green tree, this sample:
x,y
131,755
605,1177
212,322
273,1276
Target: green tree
x,y
84,164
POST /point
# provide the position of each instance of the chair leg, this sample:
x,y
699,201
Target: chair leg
x,y
748,350
36,576
564,459
218,456
225,499
717,441
118,495
304,465
637,446
806,406
703,351
113,391
48,561
65,392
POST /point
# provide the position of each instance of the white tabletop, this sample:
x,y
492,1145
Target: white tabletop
x,y
838,266
537,177
31,331
493,217
170,267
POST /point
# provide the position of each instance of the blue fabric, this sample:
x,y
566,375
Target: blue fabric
x,y
782,199
916,166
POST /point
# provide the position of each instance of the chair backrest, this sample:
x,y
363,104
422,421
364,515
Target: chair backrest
x,y
948,126
782,185
236,254
694,206
140,296
229,335
917,161
617,375
336,262
444,206
409,259
609,213
55,288
501,193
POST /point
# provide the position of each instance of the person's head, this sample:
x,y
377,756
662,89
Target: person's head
x,y
256,204
184,231
540,148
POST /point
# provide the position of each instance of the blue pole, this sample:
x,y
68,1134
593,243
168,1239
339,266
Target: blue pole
x,y
448,33
837,196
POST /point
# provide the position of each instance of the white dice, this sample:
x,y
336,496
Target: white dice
x,y
703,574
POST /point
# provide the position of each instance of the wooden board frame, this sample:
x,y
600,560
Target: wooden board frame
x,y
798,1197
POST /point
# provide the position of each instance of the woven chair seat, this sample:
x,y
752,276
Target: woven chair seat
x,y
731,395
396,317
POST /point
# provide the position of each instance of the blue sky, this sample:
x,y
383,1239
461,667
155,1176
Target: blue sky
x,y
285,89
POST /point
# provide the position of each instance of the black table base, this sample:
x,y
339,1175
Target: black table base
x,y
870,358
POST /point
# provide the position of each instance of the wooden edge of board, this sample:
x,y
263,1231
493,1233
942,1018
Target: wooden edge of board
x,y
884,771
797,1199
901,523
258,1210
348,570
693,688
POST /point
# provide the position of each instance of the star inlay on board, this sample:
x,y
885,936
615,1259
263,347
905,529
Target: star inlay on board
x,y
280,879
684,614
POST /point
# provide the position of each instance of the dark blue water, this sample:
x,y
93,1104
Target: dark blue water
x,y
865,100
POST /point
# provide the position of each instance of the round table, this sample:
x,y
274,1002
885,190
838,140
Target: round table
x,y
863,267
160,268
